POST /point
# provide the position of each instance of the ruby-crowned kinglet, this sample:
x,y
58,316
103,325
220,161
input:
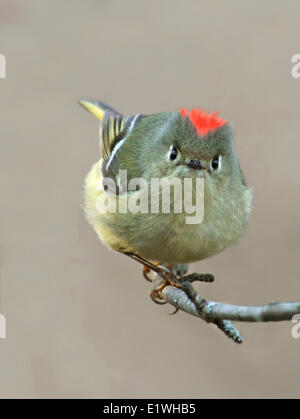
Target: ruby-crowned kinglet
x,y
180,145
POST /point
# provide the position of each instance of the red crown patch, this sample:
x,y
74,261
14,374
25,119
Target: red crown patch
x,y
203,121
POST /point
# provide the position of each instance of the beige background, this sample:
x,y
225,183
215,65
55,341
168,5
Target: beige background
x,y
79,319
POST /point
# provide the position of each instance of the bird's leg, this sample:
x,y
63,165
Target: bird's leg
x,y
172,275
152,266
169,278
147,270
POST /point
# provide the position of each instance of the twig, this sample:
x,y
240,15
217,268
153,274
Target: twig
x,y
185,298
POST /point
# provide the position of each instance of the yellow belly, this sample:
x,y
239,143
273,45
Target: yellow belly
x,y
166,237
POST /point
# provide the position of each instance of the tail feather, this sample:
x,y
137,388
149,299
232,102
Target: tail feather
x,y
98,109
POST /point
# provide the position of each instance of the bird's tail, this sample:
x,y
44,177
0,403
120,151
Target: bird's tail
x,y
98,109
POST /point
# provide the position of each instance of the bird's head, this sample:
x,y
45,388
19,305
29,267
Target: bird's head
x,y
188,144
184,144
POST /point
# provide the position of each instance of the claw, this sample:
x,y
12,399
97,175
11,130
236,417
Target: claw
x,y
146,271
174,312
167,282
153,295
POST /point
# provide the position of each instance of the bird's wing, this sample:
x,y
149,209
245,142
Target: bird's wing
x,y
114,126
113,132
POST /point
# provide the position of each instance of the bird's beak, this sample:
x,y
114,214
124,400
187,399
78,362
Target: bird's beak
x,y
195,164
94,108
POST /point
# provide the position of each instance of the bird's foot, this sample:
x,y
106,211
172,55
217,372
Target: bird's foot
x,y
147,270
155,293
173,275
181,281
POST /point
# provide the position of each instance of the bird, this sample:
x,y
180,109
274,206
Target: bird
x,y
184,144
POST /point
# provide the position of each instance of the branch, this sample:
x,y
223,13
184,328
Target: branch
x,y
183,297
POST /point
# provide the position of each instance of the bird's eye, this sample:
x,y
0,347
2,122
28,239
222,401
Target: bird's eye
x,y
173,153
216,162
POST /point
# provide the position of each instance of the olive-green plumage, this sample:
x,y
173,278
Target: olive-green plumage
x,y
167,145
